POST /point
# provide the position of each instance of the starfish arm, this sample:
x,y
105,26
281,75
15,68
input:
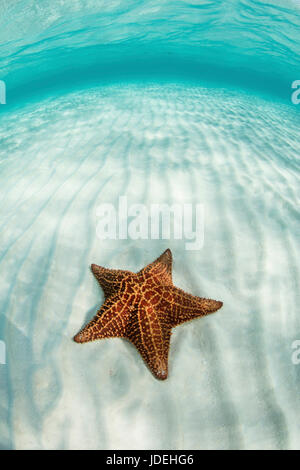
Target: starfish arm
x,y
151,337
109,279
160,270
109,322
180,306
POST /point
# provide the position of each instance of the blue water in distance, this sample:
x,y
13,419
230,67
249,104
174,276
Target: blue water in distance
x,y
251,44
161,101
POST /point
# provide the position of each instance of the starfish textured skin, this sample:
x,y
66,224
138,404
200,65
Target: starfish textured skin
x,y
143,307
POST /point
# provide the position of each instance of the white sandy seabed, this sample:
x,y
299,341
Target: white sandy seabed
x,y
232,382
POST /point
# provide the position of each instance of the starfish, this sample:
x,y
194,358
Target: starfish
x,y
143,307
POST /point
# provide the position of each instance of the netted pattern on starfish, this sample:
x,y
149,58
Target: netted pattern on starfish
x,y
160,271
181,306
109,279
143,308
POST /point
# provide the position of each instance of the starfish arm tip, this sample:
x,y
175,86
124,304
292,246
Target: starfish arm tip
x,y
161,375
210,305
167,255
78,338
160,368
83,336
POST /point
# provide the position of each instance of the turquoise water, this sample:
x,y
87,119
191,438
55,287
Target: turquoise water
x,y
161,101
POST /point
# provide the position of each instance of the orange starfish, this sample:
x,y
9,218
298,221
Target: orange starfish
x,y
143,308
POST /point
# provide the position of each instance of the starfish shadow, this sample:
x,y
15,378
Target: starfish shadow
x,y
90,314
